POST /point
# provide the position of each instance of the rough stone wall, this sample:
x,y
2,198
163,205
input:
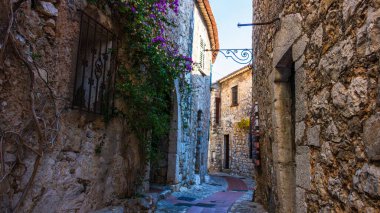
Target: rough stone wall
x,y
201,83
230,116
91,164
183,156
215,155
180,164
335,48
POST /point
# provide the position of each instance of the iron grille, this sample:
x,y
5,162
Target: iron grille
x,y
95,67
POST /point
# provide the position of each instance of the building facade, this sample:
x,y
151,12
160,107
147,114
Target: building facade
x,y
317,85
230,149
52,87
186,162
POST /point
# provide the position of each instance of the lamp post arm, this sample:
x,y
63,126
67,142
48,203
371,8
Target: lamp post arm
x,y
259,23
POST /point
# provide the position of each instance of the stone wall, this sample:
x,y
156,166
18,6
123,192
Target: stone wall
x,y
176,169
89,164
230,115
201,83
215,155
317,85
187,153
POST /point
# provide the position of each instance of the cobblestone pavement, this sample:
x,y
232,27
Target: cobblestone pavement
x,y
221,193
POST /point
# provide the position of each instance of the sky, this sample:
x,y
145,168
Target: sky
x,y
228,13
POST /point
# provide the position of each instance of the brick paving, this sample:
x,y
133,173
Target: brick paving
x,y
221,194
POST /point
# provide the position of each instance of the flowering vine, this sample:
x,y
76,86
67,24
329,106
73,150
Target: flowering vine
x,y
150,62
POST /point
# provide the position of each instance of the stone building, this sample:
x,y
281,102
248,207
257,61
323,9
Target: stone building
x,y
230,149
187,148
317,83
87,163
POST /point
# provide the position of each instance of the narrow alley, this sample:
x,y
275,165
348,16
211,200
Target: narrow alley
x,y
220,193
189,106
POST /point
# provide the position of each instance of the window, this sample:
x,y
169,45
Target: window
x,y
217,110
95,67
234,91
202,47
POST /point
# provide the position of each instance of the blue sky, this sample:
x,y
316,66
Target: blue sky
x,y
228,13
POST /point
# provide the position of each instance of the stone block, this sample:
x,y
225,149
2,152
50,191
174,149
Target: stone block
x,y
326,153
313,136
337,59
319,103
349,8
357,96
332,133
299,47
303,168
339,95
291,29
317,36
48,9
371,137
301,206
367,179
300,132
368,40
373,21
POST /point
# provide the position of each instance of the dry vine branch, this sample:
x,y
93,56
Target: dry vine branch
x,y
8,173
41,135
37,120
9,38
7,33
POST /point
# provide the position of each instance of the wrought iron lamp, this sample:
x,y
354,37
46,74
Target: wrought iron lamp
x,y
241,56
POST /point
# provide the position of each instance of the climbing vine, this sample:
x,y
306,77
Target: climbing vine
x,y
150,63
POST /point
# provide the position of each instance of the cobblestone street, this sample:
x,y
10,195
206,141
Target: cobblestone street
x,y
221,193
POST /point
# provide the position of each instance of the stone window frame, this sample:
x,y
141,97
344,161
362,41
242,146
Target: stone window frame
x,y
294,177
234,96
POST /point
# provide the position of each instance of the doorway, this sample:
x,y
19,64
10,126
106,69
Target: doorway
x,y
284,146
226,151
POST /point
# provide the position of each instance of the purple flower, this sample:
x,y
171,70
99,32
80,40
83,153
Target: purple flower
x,y
161,6
189,67
133,9
158,39
175,5
187,59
